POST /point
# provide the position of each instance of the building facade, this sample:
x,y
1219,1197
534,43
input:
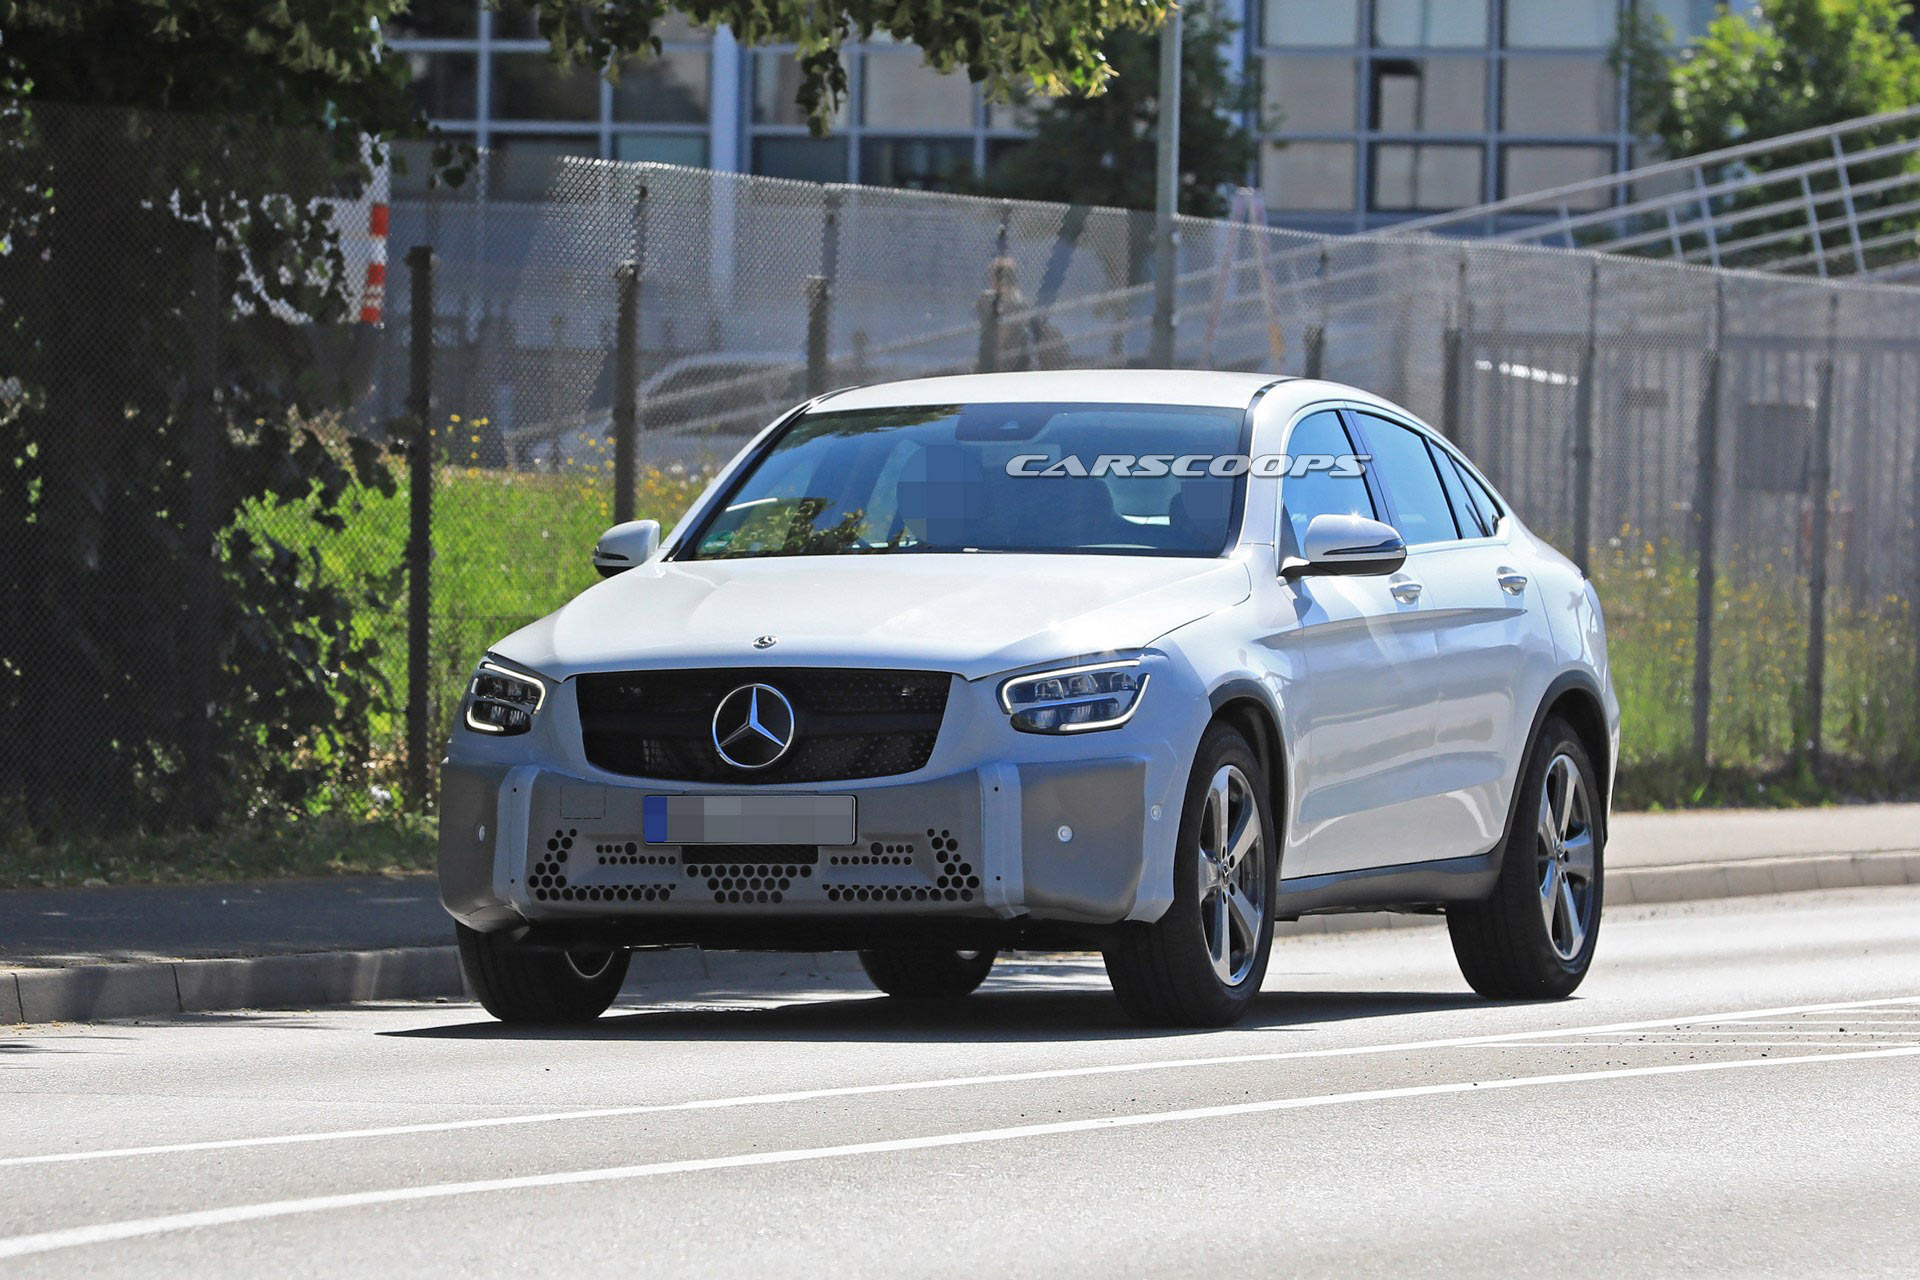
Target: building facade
x,y
1372,110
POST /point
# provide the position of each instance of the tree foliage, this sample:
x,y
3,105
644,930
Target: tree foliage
x,y
1787,66
1057,47
1101,150
170,294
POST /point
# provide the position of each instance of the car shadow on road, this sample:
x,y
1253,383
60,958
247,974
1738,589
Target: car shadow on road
x,y
990,1016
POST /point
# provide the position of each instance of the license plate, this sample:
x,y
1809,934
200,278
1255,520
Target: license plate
x,y
762,819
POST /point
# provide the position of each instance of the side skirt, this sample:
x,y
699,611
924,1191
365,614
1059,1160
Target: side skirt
x,y
1413,886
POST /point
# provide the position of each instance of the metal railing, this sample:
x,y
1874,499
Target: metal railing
x,y
1842,199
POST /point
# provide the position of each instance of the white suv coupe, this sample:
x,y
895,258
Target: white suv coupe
x,y
1130,661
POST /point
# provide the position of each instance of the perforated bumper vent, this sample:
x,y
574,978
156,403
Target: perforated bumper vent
x,y
895,869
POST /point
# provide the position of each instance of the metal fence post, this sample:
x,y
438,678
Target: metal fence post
x,y
420,518
1166,202
820,293
626,374
1820,482
1452,354
1583,428
1316,344
203,555
988,359
1705,503
818,315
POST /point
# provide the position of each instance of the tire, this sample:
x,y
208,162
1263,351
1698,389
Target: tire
x,y
1172,973
912,974
1532,938
526,985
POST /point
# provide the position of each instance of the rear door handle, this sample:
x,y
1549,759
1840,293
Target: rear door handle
x,y
1512,583
1405,592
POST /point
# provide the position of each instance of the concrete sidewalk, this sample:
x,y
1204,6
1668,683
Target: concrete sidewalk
x,y
80,954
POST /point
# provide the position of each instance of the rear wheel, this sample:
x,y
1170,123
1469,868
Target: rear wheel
x,y
1533,936
1201,963
915,974
516,983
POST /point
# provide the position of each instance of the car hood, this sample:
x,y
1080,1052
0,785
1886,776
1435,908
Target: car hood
x,y
973,614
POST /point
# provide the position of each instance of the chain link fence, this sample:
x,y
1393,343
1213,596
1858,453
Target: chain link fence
x,y
253,548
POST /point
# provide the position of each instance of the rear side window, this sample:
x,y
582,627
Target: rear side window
x,y
1473,524
1400,457
1320,492
1483,503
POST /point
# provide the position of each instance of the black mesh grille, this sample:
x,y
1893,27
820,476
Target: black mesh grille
x,y
847,724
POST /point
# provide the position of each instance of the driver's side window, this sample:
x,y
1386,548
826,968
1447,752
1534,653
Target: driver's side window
x,y
1319,491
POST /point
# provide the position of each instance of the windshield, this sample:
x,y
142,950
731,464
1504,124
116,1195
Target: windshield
x,y
990,477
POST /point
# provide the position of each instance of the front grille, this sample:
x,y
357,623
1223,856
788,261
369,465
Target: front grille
x,y
847,723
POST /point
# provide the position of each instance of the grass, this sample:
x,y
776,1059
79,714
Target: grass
x,y
396,844
510,547
1759,723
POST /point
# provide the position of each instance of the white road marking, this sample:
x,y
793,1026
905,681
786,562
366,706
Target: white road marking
x,y
912,1086
1849,1043
134,1228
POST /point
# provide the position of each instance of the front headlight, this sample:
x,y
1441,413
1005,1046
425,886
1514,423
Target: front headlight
x,y
1101,695
502,702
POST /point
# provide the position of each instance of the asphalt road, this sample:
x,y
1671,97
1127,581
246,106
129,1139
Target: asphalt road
x,y
1736,1090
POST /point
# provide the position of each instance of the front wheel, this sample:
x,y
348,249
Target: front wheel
x,y
1532,938
517,983
1201,963
914,974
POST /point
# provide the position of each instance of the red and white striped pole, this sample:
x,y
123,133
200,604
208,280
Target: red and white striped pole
x,y
373,293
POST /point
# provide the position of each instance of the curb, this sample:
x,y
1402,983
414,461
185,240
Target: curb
x,y
89,993
1699,881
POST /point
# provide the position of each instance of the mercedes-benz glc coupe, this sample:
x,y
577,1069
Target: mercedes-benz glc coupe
x,y
1134,662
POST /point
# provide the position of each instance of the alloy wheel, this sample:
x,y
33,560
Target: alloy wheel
x,y
1233,883
1565,857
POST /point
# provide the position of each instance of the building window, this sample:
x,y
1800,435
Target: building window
x,y
1020,112
1561,24
1429,95
1311,22
925,164
444,83
689,149
1686,17
1425,177
1308,177
413,173
1305,93
807,159
903,92
670,88
532,86
1430,24
776,81
1528,169
437,20
524,166
1559,96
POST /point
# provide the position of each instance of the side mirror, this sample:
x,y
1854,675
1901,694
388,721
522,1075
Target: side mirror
x,y
626,545
1347,545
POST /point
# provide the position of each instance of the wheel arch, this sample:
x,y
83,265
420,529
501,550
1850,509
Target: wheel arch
x,y
1574,696
1247,705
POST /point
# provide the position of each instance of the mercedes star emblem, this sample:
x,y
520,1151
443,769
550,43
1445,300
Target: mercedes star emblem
x,y
753,726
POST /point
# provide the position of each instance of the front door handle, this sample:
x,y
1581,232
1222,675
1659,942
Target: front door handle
x,y
1512,583
1405,592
